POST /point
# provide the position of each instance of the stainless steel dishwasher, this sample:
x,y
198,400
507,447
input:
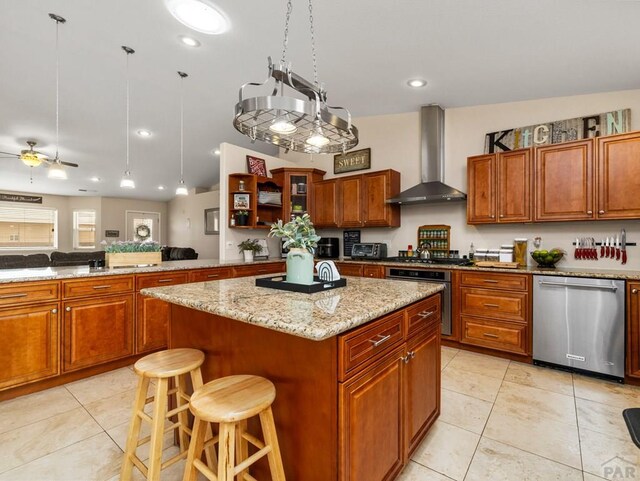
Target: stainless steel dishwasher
x,y
578,324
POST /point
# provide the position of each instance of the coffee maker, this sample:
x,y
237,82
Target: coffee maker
x,y
328,248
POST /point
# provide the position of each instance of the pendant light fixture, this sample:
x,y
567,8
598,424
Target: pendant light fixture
x,y
182,188
127,181
56,170
304,123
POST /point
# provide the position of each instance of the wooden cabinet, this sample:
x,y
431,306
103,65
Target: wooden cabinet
x,y
95,286
618,191
564,180
499,187
390,394
152,321
297,189
348,269
261,212
213,274
30,343
325,195
377,187
373,271
350,207
633,330
259,269
97,330
168,278
13,294
495,311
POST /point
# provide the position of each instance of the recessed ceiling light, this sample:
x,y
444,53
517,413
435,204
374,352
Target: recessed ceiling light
x,y
161,187
144,133
199,15
216,152
190,41
95,179
417,83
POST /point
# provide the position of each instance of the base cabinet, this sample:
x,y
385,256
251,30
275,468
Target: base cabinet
x,y
30,350
633,330
97,330
152,321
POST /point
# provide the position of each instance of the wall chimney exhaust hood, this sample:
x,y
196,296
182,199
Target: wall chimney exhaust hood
x,y
432,189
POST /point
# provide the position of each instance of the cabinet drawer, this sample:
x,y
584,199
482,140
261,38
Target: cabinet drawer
x,y
144,281
214,274
13,294
362,346
373,271
259,269
506,305
424,314
97,286
504,336
488,280
349,269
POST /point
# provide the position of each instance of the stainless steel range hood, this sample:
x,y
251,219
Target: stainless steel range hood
x,y
432,189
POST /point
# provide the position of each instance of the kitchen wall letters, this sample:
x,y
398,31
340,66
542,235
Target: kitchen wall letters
x,y
608,123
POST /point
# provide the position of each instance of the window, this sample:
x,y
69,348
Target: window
x,y
28,228
84,229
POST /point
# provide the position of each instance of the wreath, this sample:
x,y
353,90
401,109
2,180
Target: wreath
x,y
143,232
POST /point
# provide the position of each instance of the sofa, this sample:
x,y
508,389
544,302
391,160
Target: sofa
x,y
22,262
178,254
64,259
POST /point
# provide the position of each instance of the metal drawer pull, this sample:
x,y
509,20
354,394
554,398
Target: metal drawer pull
x,y
102,287
612,287
490,281
68,309
13,296
210,276
492,305
164,280
634,291
381,340
425,314
487,334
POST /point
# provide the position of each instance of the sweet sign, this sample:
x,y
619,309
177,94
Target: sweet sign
x,y
608,123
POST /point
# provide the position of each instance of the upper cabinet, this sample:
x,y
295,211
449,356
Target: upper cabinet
x,y
297,190
588,179
564,181
619,176
499,187
360,201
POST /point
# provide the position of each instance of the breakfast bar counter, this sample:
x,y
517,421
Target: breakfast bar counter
x,y
356,369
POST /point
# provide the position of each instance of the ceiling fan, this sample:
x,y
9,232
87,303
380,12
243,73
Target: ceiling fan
x,y
33,158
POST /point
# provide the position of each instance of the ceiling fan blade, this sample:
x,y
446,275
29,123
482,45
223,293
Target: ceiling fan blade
x,y
70,164
11,154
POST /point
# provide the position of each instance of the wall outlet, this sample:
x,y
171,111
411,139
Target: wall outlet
x,y
229,245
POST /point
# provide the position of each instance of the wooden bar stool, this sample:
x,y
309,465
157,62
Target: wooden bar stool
x,y
162,366
230,401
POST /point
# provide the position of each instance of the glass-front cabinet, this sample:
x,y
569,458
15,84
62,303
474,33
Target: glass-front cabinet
x,y
297,190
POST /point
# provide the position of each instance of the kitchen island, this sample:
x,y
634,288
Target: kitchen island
x,y
357,369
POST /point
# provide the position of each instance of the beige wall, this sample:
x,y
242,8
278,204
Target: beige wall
x,y
395,142
186,223
113,215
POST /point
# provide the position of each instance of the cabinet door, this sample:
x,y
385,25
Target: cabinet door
x,y
481,189
377,187
346,269
633,329
152,321
97,330
30,347
350,204
514,186
325,194
371,445
564,181
422,385
373,271
619,176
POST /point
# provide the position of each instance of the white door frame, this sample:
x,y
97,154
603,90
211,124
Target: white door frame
x,y
126,222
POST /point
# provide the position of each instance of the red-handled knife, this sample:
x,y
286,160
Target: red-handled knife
x,y
624,246
602,248
607,248
617,248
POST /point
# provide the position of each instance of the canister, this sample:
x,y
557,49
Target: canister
x,y
520,251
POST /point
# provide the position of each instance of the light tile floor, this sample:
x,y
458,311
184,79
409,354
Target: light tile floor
x,y
500,420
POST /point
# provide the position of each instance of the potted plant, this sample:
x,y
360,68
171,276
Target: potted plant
x,y
301,240
242,217
248,248
132,253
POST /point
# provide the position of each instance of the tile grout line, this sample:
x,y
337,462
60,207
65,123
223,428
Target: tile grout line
x,y
575,403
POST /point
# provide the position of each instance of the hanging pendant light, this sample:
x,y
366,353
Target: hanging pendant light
x,y
182,188
127,181
304,123
56,170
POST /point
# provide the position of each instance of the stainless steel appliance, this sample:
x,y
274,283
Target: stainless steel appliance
x,y
578,324
455,261
328,248
283,250
430,275
369,250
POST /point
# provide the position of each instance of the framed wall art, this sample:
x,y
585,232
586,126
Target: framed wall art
x,y
256,166
240,201
212,221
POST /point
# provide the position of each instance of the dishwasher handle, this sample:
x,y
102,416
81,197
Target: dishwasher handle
x,y
612,287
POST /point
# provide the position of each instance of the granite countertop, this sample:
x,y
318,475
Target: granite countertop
x,y
57,273
558,271
312,316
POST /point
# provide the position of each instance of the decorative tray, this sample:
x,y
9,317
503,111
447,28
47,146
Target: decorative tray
x,y
280,282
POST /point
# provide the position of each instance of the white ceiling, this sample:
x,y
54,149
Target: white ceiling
x,y
471,52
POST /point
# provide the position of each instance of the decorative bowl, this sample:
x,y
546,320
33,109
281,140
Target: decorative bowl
x,y
546,258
